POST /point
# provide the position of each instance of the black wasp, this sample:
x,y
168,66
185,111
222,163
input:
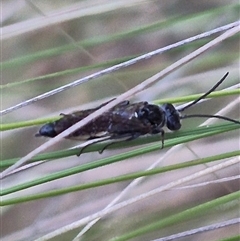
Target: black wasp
x,y
126,120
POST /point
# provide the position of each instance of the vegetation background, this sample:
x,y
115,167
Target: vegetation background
x,y
47,44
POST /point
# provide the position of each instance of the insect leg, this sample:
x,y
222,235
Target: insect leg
x,y
132,137
97,141
159,130
162,137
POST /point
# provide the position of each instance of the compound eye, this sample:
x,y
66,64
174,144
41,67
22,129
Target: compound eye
x,y
47,130
173,123
172,116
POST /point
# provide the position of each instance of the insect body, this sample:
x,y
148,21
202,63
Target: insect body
x,y
126,120
123,120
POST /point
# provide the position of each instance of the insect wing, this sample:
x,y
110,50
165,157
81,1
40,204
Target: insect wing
x,y
121,120
128,111
95,129
120,125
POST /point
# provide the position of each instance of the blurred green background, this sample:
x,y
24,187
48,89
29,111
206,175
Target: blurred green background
x,y
46,44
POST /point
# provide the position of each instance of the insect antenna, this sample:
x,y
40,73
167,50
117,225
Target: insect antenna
x,y
211,116
202,97
206,94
